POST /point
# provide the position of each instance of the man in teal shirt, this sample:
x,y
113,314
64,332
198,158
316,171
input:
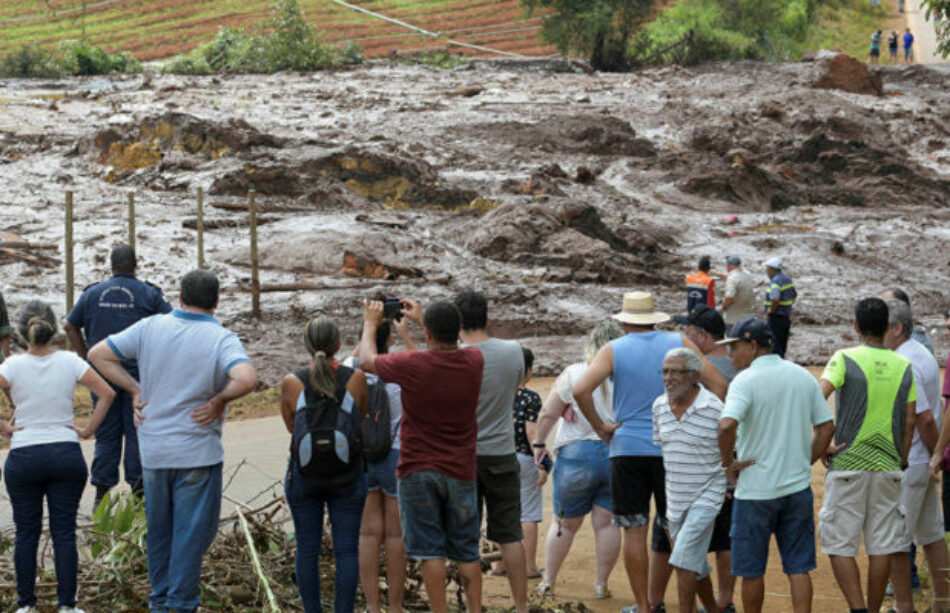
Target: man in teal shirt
x,y
783,425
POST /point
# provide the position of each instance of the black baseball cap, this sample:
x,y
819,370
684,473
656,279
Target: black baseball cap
x,y
750,329
705,317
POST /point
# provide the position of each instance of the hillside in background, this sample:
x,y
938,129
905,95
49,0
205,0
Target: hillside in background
x,y
159,29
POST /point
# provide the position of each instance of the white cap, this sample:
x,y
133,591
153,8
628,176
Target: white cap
x,y
775,263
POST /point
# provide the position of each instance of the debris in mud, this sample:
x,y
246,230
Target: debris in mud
x,y
592,134
217,224
847,74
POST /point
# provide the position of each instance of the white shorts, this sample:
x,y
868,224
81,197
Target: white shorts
x,y
530,490
921,502
859,501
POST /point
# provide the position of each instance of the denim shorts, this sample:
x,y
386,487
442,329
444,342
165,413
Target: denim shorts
x,y
791,518
382,475
691,535
581,479
439,517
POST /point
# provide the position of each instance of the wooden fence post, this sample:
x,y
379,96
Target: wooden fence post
x,y
201,227
255,278
69,251
132,220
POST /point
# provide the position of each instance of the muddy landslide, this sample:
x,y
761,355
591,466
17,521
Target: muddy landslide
x,y
551,190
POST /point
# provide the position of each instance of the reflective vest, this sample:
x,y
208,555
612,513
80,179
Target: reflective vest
x,y
700,289
782,288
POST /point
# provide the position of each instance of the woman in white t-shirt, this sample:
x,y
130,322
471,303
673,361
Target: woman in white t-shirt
x,y
45,460
582,470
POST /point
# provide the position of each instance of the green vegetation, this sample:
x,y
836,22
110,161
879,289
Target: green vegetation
x,y
72,57
598,29
938,11
285,42
846,25
437,58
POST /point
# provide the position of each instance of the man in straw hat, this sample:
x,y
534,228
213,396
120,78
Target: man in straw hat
x,y
636,464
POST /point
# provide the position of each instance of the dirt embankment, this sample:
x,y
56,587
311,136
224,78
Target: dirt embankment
x,y
551,191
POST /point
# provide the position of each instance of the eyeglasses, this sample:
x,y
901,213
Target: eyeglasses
x,y
674,371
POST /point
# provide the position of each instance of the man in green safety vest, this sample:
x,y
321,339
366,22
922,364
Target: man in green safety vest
x,y
779,299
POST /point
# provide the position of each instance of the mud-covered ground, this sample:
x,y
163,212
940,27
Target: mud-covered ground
x,y
552,190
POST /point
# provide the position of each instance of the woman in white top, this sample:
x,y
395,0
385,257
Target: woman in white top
x,y
582,470
45,460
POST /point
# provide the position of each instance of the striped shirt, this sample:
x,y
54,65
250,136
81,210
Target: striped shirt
x,y
694,475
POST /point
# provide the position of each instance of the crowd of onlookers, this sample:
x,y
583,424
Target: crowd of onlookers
x,y
409,453
895,42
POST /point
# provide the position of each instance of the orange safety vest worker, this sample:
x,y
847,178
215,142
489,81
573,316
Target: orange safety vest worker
x,y
700,289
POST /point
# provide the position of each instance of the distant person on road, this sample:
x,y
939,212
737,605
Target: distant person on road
x,y
685,425
908,47
103,309
875,54
892,44
779,299
774,426
636,463
706,328
919,496
438,495
700,287
191,367
582,470
499,481
343,502
739,300
875,404
45,460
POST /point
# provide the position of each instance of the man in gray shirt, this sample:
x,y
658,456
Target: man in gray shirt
x,y
499,474
739,296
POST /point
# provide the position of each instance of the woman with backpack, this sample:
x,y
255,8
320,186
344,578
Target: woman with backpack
x,y
45,460
380,526
323,406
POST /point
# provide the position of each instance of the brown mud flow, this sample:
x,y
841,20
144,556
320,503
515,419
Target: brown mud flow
x,y
551,190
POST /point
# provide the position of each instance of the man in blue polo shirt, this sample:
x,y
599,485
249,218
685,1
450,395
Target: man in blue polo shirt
x,y
103,309
636,463
779,299
191,367
777,412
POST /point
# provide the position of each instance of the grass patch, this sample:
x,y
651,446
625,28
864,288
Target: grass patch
x,y
72,58
846,25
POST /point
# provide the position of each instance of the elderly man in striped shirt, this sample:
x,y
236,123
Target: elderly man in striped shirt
x,y
685,424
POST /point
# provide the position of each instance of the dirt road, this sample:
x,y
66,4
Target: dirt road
x,y
925,36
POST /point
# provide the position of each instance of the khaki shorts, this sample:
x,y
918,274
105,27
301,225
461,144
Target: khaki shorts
x,y
921,503
857,501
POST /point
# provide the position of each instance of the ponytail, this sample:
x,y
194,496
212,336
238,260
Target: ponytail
x,y
322,339
39,331
36,324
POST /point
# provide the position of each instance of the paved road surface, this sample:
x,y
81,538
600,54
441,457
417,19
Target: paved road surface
x,y
925,37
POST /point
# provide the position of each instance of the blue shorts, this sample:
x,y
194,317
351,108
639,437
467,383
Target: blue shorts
x,y
439,517
581,479
791,518
382,475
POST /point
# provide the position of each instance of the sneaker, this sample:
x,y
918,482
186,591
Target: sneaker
x,y
889,590
543,589
632,609
729,608
26,610
70,610
659,608
601,591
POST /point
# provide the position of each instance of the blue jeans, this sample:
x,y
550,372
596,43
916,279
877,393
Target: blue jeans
x,y
116,425
791,518
581,479
345,507
439,517
58,472
182,507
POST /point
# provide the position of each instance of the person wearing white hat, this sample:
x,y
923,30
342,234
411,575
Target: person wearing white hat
x,y
779,298
636,464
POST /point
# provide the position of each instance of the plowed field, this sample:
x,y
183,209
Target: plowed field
x,y
158,29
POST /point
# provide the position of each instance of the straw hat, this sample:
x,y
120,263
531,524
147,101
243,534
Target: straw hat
x,y
638,310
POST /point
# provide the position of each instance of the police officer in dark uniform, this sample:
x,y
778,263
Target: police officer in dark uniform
x,y
103,309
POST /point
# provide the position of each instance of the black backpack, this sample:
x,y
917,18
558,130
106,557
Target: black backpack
x,y
326,441
376,428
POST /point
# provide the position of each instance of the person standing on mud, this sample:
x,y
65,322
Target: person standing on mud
x,y
191,367
636,463
774,427
875,405
739,300
700,287
499,473
919,497
705,327
103,309
779,299
438,496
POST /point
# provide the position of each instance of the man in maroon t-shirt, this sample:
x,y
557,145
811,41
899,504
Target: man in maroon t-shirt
x,y
438,501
